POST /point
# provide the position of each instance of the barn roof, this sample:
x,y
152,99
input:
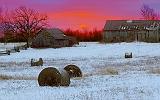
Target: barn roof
x,y
131,24
54,32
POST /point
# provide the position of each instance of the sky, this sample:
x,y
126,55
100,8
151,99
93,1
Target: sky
x,y
84,14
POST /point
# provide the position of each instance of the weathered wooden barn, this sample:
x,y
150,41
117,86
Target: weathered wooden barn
x,y
131,30
52,38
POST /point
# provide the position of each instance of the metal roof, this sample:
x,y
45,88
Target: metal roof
x,y
54,32
131,25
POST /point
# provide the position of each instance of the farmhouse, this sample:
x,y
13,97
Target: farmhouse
x,y
131,30
52,38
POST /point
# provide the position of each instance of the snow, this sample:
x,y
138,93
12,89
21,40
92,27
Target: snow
x,y
135,80
90,50
133,87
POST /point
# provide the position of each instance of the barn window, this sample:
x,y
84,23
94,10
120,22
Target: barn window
x,y
122,27
127,27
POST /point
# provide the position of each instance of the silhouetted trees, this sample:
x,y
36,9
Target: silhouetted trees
x,y
22,24
93,35
148,13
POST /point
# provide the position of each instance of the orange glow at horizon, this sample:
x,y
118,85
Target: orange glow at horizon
x,y
76,14
83,26
83,20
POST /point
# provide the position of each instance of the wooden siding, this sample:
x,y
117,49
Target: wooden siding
x,y
130,36
48,39
138,30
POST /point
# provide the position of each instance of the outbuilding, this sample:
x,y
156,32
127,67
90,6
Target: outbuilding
x,y
52,38
131,30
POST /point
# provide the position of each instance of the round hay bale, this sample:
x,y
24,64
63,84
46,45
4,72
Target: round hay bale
x,y
65,78
49,77
73,71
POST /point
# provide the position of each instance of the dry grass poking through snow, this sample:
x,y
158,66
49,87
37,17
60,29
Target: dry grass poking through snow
x,y
104,71
154,71
7,77
108,71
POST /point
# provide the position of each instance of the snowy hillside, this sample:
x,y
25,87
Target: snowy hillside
x,y
138,78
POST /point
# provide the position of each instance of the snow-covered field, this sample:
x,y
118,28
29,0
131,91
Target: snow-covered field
x,y
138,78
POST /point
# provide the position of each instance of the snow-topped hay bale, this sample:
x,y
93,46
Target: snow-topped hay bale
x,y
49,77
52,77
128,55
73,71
37,63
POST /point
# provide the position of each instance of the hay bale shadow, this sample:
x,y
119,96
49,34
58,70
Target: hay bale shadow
x,y
73,71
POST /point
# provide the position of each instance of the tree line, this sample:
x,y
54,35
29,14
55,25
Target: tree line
x,y
85,35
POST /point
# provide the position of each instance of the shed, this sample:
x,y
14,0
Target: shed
x,y
52,38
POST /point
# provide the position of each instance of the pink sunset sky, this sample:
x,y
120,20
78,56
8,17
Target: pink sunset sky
x,y
80,14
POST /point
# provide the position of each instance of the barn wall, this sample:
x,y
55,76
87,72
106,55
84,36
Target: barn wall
x,y
59,43
107,37
123,36
129,36
153,36
159,35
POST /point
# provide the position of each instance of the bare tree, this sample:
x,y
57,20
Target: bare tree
x,y
27,22
148,13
